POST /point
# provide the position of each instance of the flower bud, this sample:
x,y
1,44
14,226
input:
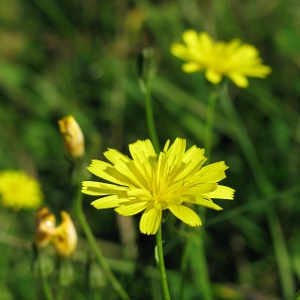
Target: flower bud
x,y
44,227
65,237
72,136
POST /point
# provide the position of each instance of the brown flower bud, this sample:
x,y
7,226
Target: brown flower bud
x,y
44,228
64,238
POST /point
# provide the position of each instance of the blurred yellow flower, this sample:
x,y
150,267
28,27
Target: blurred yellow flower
x,y
72,136
234,59
44,227
64,237
153,182
18,190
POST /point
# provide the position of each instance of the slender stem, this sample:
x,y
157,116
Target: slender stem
x,y
46,289
150,117
45,282
297,297
161,265
153,136
209,124
183,267
199,262
93,243
266,187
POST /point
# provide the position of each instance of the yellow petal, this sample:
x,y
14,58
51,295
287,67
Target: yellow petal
x,y
222,192
108,202
150,221
131,209
185,214
213,76
100,189
180,51
212,173
190,37
191,67
239,79
206,43
206,202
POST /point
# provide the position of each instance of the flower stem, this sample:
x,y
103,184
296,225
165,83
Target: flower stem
x,y
209,124
93,243
47,290
161,265
297,297
45,281
266,187
199,262
150,118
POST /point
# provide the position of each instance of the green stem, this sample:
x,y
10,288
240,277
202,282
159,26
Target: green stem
x,y
209,124
297,297
183,267
266,187
198,262
45,282
150,117
153,136
93,243
47,290
161,265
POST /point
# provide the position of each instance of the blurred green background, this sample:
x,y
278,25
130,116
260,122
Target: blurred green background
x,y
81,57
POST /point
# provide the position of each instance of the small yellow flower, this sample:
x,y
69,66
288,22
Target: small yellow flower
x,y
64,238
45,227
234,59
153,182
72,136
18,190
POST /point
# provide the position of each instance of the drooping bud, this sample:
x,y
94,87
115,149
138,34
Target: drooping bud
x,y
64,238
44,227
72,136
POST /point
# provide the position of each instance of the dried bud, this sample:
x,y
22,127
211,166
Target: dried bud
x,y
65,238
72,135
44,227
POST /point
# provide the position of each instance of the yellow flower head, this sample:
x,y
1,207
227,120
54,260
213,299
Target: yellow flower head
x,y
18,190
72,136
44,227
153,182
234,59
64,237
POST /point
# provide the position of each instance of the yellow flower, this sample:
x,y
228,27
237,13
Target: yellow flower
x,y
44,228
153,182
234,59
72,136
64,238
18,190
